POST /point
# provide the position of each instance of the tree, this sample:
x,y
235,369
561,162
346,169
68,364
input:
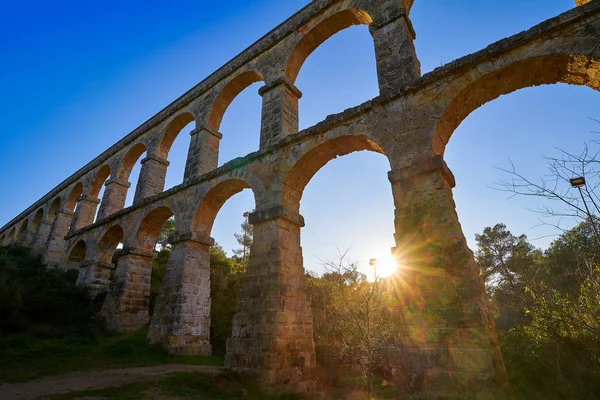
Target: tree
x,y
579,203
226,278
551,299
508,264
503,257
244,239
162,241
352,318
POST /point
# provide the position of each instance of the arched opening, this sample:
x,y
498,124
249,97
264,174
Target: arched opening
x,y
236,113
536,71
515,117
12,235
22,231
53,210
319,34
154,235
71,202
517,129
109,243
315,159
151,227
77,255
451,30
174,147
107,253
98,185
39,215
222,214
334,65
348,209
130,170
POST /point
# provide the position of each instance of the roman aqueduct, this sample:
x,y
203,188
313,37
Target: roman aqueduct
x,y
448,345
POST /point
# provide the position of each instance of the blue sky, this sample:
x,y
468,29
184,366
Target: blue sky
x,y
78,76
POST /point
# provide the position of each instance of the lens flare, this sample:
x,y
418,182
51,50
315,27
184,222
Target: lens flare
x,y
386,266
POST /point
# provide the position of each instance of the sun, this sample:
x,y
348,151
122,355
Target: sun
x,y
386,266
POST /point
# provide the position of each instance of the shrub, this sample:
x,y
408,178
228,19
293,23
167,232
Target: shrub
x,y
35,299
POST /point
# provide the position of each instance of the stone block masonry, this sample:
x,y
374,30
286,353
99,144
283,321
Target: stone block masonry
x,y
446,345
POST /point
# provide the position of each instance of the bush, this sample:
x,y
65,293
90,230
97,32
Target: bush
x,y
38,300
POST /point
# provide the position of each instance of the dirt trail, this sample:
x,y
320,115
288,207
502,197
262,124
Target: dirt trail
x,y
88,380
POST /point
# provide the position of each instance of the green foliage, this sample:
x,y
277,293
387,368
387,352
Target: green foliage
x,y
223,386
226,279
25,357
38,300
352,321
159,267
244,239
162,241
551,346
183,385
126,392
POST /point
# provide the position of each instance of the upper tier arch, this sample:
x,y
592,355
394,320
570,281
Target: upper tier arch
x,y
226,96
574,69
319,34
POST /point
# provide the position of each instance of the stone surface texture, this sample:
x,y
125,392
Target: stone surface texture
x,y
446,345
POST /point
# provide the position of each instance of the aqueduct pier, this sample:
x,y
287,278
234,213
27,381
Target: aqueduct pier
x,y
447,346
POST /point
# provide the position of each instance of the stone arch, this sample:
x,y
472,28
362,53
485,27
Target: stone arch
x,y
172,131
78,253
226,96
101,177
128,163
35,223
535,71
75,193
12,235
2,238
53,210
109,242
319,34
23,230
150,227
213,200
316,158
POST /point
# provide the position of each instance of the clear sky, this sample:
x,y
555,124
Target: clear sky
x,y
76,77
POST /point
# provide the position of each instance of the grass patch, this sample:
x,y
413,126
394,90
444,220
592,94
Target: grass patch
x,y
182,385
197,386
126,392
221,387
25,357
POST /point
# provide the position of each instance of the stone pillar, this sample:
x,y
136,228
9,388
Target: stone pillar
x,y
114,197
446,341
181,319
85,211
203,155
397,62
126,305
56,250
41,236
279,112
152,177
272,335
95,275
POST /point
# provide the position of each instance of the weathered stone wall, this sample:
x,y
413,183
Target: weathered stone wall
x,y
446,345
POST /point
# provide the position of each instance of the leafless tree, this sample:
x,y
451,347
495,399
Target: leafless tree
x,y
569,202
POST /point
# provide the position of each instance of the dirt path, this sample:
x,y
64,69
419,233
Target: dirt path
x,y
88,380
